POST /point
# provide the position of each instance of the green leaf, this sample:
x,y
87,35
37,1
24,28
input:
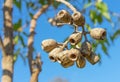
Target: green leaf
x,y
99,18
17,25
107,16
22,41
42,2
104,48
17,3
88,27
101,6
93,15
16,39
87,5
115,35
16,55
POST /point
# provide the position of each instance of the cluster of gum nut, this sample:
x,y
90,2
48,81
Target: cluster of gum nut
x,y
59,52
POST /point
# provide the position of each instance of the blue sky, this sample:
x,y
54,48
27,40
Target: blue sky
x,y
108,71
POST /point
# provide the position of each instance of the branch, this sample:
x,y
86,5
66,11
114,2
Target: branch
x,y
32,32
68,5
2,47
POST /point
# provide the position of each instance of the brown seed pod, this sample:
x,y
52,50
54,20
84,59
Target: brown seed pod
x,y
75,38
62,56
78,19
98,33
81,62
74,54
63,59
93,58
64,16
53,54
48,45
86,48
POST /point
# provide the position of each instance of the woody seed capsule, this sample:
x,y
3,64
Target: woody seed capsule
x,y
64,16
74,54
78,19
98,33
53,54
86,48
48,45
81,62
75,38
93,58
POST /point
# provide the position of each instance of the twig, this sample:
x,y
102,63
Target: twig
x,y
68,5
32,31
84,33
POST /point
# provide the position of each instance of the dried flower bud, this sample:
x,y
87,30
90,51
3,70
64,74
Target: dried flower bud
x,y
75,38
78,19
48,45
98,33
86,48
64,16
74,54
81,62
93,58
67,63
53,54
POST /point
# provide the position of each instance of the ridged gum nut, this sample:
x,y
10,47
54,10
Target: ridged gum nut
x,y
93,58
62,55
64,16
53,54
86,48
48,45
98,33
74,54
67,63
75,38
81,62
78,19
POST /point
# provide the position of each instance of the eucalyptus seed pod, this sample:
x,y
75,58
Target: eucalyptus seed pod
x,y
74,54
62,55
53,54
93,58
64,16
98,33
81,62
86,48
75,38
78,19
48,45
67,63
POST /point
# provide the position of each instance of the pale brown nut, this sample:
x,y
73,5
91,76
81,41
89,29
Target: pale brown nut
x,y
64,16
78,19
81,62
93,58
48,45
74,54
98,33
53,54
75,38
86,48
63,59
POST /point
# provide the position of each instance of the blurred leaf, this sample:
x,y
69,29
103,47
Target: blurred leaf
x,y
16,55
42,2
107,16
17,3
17,25
31,15
22,41
16,39
25,34
87,5
93,15
88,27
115,35
104,48
99,18
101,6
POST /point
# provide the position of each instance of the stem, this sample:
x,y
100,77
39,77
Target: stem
x,y
84,33
68,5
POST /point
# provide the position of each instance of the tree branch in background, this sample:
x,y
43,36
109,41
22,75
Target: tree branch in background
x,y
7,59
2,47
68,5
31,40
